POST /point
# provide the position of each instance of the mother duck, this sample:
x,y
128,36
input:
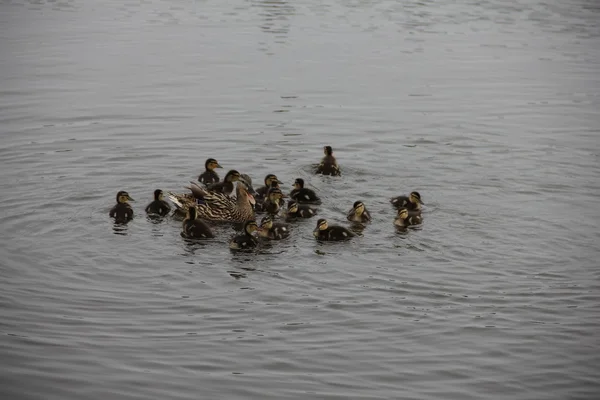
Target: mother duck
x,y
216,206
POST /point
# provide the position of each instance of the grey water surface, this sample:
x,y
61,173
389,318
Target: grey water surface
x,y
490,109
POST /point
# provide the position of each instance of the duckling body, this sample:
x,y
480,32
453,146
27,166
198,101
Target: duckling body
x,y
358,213
194,228
158,206
328,165
273,230
209,176
296,211
327,232
273,202
410,202
225,187
246,240
302,194
407,218
122,211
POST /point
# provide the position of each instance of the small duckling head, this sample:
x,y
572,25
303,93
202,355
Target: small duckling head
x,y
358,208
328,150
415,197
402,213
232,176
158,195
298,183
321,226
269,179
250,227
211,164
292,207
275,194
192,213
266,222
123,197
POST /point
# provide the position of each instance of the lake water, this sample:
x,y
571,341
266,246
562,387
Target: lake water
x,y
490,109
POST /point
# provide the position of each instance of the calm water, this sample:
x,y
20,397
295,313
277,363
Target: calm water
x,y
488,108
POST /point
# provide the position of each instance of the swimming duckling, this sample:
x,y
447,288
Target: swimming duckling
x,y
296,210
324,231
270,179
122,211
410,202
225,187
302,194
329,165
209,176
272,230
359,213
194,228
406,218
158,206
246,240
273,202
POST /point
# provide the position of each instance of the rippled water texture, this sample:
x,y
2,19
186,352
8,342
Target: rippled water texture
x,y
488,108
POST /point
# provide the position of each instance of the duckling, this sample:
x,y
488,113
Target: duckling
x,y
273,231
158,206
302,194
270,179
410,202
334,232
329,165
209,176
274,200
225,187
194,228
406,218
359,213
122,211
296,210
246,240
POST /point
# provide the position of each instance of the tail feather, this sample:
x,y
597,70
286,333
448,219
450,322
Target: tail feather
x,y
171,196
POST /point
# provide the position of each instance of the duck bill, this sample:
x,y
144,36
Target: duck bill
x,y
218,166
251,199
130,199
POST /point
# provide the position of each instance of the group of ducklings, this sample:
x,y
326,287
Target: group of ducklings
x,y
210,201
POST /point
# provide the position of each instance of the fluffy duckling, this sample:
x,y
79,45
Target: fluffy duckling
x,y
159,206
225,187
246,240
410,202
295,211
270,182
328,165
324,231
272,230
359,213
122,211
303,195
209,176
194,228
273,202
406,218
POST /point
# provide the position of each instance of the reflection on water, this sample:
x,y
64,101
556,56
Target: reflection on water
x,y
275,20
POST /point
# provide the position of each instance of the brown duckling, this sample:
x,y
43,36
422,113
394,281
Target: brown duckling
x,y
328,165
122,211
410,202
359,213
225,187
295,211
194,228
406,218
209,176
303,195
246,240
324,231
159,206
270,182
273,230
